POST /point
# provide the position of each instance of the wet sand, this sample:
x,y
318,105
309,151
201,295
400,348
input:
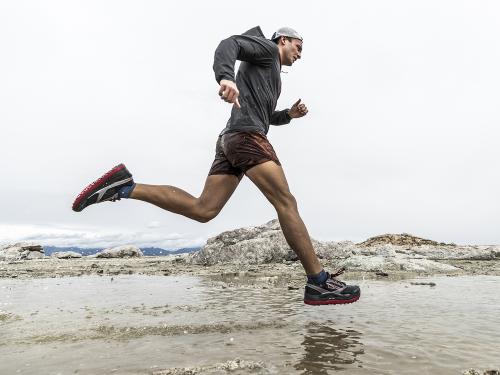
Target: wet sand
x,y
178,265
244,323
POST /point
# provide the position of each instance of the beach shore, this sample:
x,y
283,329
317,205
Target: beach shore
x,y
181,265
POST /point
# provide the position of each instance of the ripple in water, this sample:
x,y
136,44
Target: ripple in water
x,y
166,325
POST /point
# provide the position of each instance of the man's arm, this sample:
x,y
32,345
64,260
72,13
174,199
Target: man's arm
x,y
285,116
255,50
280,117
252,49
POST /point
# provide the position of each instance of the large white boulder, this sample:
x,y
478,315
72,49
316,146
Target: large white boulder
x,y
66,255
125,251
392,252
21,251
260,244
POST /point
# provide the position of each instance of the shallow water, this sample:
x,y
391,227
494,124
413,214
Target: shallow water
x,y
143,324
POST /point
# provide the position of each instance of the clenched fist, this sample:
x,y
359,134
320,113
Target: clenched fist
x,y
298,110
229,92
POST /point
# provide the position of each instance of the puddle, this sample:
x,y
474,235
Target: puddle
x,y
187,325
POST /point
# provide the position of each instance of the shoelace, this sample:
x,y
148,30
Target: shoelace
x,y
339,272
113,198
333,281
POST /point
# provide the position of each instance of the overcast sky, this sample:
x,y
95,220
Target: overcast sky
x,y
402,133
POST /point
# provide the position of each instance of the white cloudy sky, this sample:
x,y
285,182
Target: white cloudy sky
x,y
402,133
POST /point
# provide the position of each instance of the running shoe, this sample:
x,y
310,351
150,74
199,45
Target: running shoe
x,y
333,291
105,188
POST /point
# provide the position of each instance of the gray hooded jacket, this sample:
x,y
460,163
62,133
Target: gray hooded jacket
x,y
258,81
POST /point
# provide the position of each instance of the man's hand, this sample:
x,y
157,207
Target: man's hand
x,y
229,92
298,110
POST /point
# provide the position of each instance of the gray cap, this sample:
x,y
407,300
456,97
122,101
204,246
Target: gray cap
x,y
286,31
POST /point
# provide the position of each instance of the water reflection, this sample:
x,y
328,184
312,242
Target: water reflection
x,y
328,348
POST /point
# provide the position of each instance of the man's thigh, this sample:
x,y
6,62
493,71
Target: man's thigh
x,y
221,165
217,190
245,150
270,178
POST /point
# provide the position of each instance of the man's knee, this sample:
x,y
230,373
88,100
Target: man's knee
x,y
205,218
284,200
204,215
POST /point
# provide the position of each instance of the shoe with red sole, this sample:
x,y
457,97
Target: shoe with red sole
x,y
106,188
332,291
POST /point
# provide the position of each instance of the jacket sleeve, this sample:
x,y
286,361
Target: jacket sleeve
x,y
252,49
280,117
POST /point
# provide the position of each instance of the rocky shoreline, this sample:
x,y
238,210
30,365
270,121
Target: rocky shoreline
x,y
262,251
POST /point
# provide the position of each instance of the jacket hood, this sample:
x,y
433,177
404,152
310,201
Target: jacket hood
x,y
255,31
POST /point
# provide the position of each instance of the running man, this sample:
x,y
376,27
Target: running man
x,y
242,148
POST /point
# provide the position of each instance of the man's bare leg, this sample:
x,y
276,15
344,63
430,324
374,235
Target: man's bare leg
x,y
270,179
217,191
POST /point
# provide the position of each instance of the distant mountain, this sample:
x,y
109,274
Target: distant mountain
x,y
147,251
48,250
156,251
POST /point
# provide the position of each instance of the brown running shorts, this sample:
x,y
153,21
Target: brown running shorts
x,y
236,153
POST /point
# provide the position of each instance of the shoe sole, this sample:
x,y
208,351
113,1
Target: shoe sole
x,y
331,301
90,189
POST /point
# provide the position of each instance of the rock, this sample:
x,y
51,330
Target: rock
x,y
66,255
266,244
21,251
403,239
219,368
34,255
253,245
261,244
126,251
456,252
384,261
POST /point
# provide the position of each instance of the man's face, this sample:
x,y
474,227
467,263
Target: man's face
x,y
292,51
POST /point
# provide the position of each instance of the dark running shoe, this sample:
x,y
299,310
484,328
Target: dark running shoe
x,y
105,188
333,291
